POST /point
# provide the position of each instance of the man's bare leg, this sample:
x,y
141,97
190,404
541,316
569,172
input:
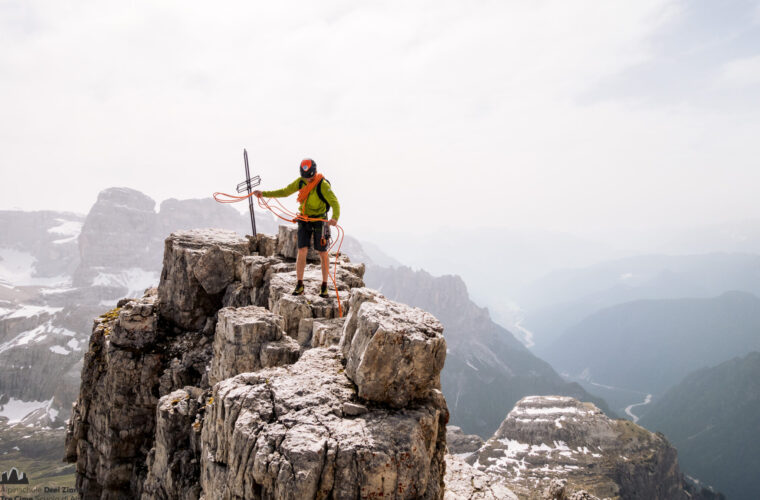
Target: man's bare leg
x,y
325,261
301,262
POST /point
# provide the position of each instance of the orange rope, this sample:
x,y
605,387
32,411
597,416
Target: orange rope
x,y
290,216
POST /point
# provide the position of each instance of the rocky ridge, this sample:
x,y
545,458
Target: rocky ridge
x,y
559,447
220,384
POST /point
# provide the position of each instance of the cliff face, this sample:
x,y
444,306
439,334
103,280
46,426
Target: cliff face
x,y
551,440
220,384
487,369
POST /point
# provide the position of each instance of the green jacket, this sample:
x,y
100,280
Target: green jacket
x,y
314,206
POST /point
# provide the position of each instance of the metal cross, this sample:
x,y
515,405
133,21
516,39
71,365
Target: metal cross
x,y
247,185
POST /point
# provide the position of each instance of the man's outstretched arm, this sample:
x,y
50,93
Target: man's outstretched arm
x,y
279,193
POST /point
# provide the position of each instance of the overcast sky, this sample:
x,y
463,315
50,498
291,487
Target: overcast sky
x,y
561,115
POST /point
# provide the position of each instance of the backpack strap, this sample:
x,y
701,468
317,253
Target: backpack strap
x,y
302,183
321,196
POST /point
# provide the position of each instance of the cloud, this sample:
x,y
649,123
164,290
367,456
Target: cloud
x,y
742,72
434,113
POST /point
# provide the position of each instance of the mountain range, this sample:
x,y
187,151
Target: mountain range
x,y
647,346
561,299
713,417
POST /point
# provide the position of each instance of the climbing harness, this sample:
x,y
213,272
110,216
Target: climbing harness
x,y
280,211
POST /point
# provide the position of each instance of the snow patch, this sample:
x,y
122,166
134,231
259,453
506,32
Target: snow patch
x,y
63,241
555,410
35,335
56,291
66,228
15,409
59,350
17,269
29,311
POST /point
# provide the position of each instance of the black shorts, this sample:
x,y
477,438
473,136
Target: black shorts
x,y
307,230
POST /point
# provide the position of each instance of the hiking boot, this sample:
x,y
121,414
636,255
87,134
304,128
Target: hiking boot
x,y
323,292
299,289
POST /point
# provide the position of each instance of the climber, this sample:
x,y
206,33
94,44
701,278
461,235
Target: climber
x,y
316,198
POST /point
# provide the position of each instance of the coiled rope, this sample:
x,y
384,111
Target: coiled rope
x,y
280,211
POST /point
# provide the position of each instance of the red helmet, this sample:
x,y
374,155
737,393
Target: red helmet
x,y
308,168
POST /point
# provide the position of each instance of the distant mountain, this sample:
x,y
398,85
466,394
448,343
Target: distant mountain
x,y
122,239
59,270
38,248
713,418
518,256
650,345
546,439
561,299
487,369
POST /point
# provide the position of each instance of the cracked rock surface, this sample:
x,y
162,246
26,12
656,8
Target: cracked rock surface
x,y
464,482
222,385
283,433
558,447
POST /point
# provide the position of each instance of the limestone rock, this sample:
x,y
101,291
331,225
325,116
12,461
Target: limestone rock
x,y
464,482
215,269
221,384
557,491
283,352
357,298
320,332
309,305
114,418
189,355
113,424
237,295
188,292
287,244
354,409
460,444
247,339
252,270
396,352
279,433
264,244
550,438
174,463
137,323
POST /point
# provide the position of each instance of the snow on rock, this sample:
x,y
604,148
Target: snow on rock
x,y
547,438
59,350
16,266
464,482
15,410
66,228
18,269
135,280
29,311
36,335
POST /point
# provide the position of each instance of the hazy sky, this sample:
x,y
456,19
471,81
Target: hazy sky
x,y
563,115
